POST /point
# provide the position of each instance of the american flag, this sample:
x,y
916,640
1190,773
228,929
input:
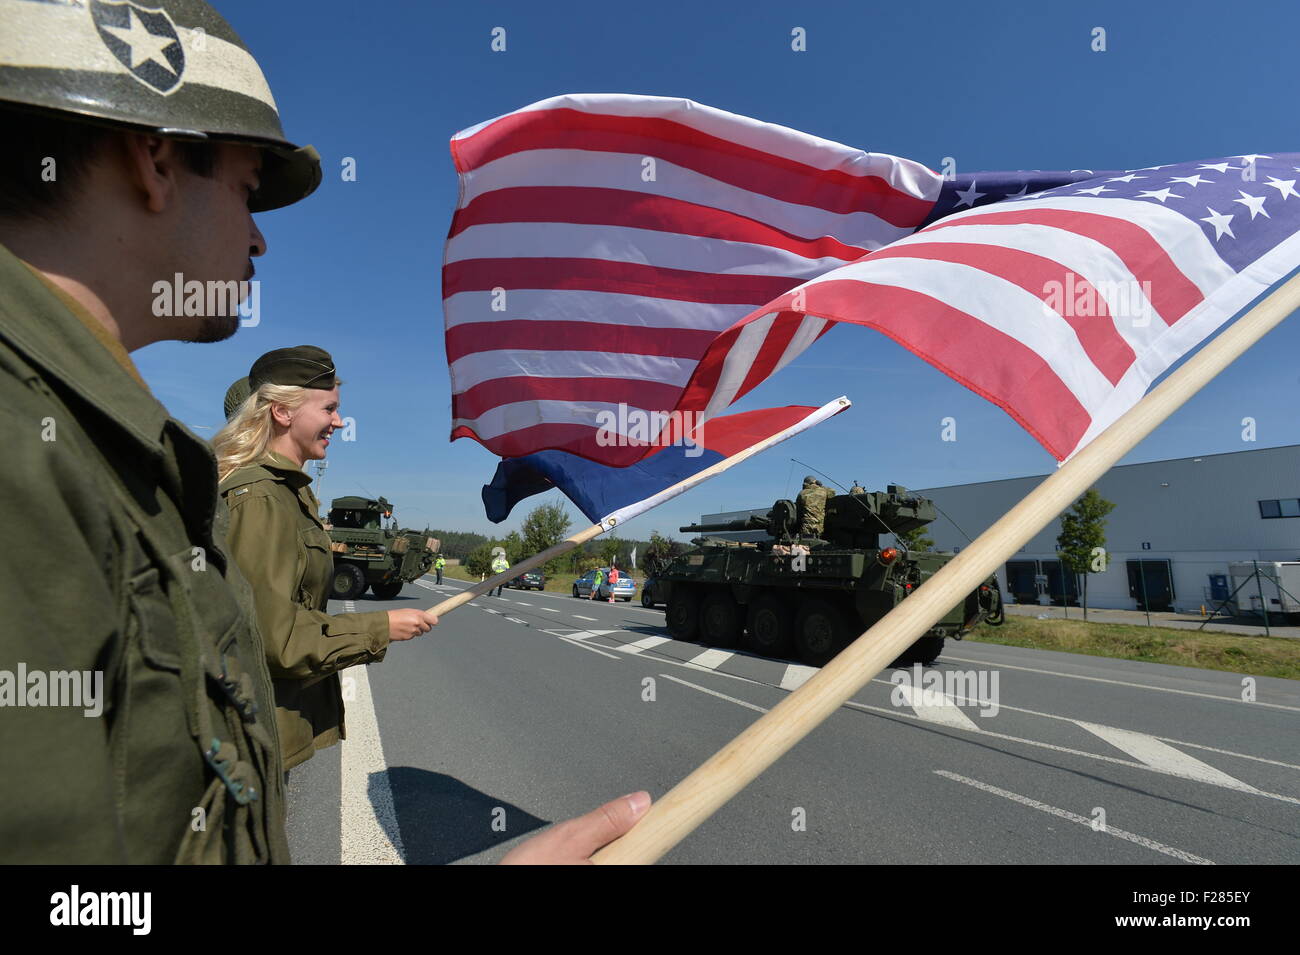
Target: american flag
x,y
1062,306
602,242
612,252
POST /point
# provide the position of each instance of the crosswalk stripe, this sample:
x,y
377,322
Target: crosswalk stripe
x,y
710,659
934,707
796,675
1162,756
648,643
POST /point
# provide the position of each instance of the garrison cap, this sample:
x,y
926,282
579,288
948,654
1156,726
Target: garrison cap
x,y
169,67
236,395
303,365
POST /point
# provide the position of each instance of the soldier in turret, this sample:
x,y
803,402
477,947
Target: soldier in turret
x,y
810,507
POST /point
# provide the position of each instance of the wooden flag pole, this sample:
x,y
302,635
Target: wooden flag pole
x,y
828,410
733,767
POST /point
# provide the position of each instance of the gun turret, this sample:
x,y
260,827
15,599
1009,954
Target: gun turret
x,y
857,520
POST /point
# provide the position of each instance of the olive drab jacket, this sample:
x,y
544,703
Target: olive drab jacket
x,y
114,568
283,549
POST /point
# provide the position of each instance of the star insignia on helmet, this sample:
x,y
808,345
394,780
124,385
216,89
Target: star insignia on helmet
x,y
144,41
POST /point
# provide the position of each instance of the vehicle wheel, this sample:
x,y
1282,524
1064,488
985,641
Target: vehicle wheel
x,y
683,613
925,651
720,620
575,590
348,582
387,591
647,600
819,632
627,600
771,627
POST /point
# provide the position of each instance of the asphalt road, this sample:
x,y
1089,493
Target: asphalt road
x,y
530,708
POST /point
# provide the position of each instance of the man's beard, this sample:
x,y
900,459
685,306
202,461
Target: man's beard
x,y
215,328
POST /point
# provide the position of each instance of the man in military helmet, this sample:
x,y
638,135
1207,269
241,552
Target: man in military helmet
x,y
810,507
137,142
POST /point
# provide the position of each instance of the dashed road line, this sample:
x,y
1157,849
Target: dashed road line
x,y
580,644
517,620
581,617
721,696
1076,818
1139,686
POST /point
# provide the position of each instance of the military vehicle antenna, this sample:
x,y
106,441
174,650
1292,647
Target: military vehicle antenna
x,y
880,520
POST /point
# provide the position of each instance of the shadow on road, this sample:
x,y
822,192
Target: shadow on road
x,y
443,820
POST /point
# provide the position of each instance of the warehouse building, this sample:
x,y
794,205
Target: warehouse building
x,y
1179,531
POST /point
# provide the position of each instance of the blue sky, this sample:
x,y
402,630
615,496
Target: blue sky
x,y
998,85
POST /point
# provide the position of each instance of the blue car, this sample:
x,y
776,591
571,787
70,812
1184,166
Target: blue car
x,y
625,589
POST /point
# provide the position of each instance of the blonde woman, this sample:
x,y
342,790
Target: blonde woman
x,y
280,418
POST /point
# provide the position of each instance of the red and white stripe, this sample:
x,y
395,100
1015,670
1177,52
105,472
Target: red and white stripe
x,y
627,233
970,295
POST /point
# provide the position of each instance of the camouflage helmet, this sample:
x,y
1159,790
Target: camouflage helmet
x,y
170,67
236,395
809,481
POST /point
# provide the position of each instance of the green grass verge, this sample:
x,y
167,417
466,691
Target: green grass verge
x,y
1236,653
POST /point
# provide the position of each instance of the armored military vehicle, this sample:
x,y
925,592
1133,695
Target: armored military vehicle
x,y
368,554
810,596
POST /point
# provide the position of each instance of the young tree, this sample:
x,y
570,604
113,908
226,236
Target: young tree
x,y
659,552
1081,544
610,548
545,526
915,539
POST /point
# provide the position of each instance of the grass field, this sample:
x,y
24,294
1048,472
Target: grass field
x,y
1237,653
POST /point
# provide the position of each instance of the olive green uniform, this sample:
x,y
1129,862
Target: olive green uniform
x,y
284,551
810,507
114,560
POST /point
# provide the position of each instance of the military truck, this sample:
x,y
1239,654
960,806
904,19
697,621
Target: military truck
x,y
366,554
810,596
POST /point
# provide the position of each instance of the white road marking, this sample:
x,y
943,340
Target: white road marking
x,y
1074,817
1065,749
581,634
796,675
1163,756
648,643
1139,686
710,659
550,609
370,832
973,701
489,610
578,643
517,620
934,707
721,696
581,617
522,604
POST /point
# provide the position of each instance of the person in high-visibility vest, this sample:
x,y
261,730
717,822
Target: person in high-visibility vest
x,y
438,565
499,566
613,579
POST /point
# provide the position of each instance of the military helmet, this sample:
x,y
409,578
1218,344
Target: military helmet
x,y
236,395
809,481
170,67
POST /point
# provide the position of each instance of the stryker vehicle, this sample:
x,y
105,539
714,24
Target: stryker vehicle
x,y
367,554
809,595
